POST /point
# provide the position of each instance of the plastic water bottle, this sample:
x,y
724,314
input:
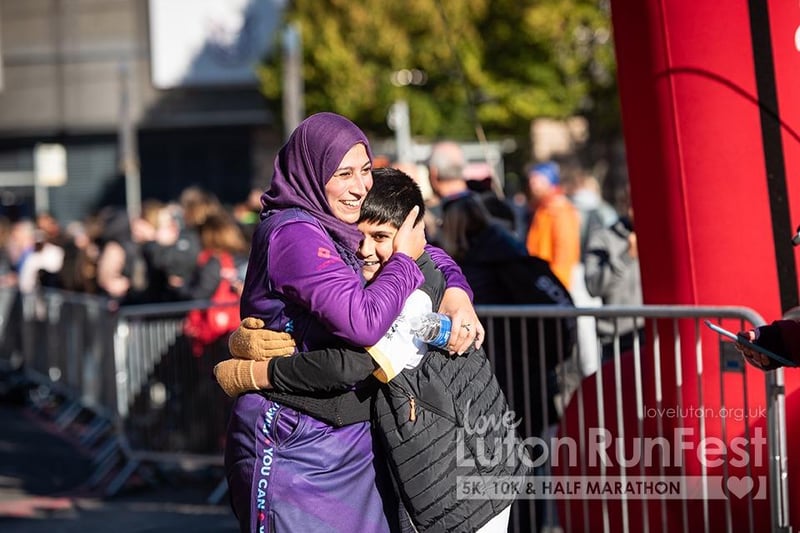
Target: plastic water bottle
x,y
433,328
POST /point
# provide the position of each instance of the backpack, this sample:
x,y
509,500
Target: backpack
x,y
205,326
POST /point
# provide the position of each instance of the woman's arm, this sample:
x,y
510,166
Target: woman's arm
x,y
457,303
453,276
304,266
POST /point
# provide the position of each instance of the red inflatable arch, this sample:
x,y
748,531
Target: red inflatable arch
x,y
710,95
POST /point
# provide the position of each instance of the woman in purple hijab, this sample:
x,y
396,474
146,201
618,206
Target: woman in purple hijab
x,y
303,462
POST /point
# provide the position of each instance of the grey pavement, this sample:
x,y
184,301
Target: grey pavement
x,y
43,487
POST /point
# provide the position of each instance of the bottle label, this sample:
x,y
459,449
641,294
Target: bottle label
x,y
445,325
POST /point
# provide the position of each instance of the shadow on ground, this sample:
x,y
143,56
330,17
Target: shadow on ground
x,y
43,487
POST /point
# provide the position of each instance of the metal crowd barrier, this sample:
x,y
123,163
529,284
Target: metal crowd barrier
x,y
121,381
660,368
132,391
171,409
60,343
10,323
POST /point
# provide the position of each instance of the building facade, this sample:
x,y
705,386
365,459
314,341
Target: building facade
x,y
161,90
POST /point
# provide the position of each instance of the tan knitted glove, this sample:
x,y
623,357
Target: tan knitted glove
x,y
252,341
252,347
236,376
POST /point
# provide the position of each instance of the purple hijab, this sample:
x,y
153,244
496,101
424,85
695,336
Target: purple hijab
x,y
305,164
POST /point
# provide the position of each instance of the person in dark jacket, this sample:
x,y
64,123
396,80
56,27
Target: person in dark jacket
x,y
219,236
122,268
426,411
781,337
501,272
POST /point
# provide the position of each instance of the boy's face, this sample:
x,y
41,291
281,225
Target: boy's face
x,y
376,247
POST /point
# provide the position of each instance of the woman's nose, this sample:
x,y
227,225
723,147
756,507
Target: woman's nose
x,y
362,185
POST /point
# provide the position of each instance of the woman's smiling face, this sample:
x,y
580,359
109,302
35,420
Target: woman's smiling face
x,y
348,186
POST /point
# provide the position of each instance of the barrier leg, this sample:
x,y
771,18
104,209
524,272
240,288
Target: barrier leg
x,y
218,493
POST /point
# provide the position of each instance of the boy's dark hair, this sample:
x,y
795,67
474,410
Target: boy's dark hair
x,y
391,198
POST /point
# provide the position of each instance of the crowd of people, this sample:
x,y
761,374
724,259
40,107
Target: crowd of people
x,y
296,258
149,258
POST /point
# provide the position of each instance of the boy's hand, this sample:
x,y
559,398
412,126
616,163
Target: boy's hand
x,y
410,238
251,341
466,326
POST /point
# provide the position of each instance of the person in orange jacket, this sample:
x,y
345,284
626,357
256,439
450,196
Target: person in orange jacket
x,y
554,233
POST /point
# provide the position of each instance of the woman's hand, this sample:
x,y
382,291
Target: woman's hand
x,y
237,376
467,329
252,341
252,347
410,238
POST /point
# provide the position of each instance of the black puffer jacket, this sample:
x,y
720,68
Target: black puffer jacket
x,y
428,418
434,421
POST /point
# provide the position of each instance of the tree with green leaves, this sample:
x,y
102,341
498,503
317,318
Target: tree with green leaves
x,y
497,64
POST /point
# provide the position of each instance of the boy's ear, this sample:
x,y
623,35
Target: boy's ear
x,y
413,214
420,214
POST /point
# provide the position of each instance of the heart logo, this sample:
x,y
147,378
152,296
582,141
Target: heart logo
x,y
740,486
